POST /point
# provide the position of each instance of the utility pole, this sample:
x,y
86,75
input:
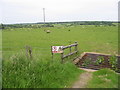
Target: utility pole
x,y
44,15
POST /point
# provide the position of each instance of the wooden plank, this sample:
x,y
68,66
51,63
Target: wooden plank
x,y
65,47
64,56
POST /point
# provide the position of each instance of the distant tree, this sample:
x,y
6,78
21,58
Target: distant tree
x,y
47,25
2,26
81,24
113,25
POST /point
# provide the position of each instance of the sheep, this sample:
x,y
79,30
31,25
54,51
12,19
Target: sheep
x,y
47,31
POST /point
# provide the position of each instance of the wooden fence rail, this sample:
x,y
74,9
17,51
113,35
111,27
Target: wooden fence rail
x,y
71,53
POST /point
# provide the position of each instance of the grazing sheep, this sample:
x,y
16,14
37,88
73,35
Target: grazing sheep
x,y
47,31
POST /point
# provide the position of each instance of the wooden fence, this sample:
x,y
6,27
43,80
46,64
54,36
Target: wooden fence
x,y
71,53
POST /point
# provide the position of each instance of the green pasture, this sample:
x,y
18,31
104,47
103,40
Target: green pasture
x,y
102,39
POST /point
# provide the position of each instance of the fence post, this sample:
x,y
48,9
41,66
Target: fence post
x,y
62,57
29,52
76,46
76,49
70,51
52,53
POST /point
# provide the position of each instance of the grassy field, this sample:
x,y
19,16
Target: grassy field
x,y
42,71
90,38
104,78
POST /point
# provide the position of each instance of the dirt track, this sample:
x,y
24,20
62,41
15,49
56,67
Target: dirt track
x,y
83,78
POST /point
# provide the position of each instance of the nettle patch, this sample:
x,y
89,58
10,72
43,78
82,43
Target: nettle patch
x,y
99,61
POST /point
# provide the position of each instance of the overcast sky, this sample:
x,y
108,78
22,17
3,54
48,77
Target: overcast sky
x,y
31,11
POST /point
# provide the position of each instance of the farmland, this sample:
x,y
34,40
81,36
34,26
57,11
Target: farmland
x,y
101,39
90,38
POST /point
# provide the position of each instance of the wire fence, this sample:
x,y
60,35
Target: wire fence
x,y
20,48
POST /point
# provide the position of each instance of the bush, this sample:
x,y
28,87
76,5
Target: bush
x,y
114,62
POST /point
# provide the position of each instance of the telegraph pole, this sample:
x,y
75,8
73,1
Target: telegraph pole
x,y
44,15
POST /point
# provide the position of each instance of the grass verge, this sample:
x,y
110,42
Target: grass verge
x,y
104,78
20,72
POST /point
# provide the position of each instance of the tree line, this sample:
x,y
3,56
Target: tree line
x,y
52,24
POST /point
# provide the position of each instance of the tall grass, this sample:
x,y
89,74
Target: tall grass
x,y
20,72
